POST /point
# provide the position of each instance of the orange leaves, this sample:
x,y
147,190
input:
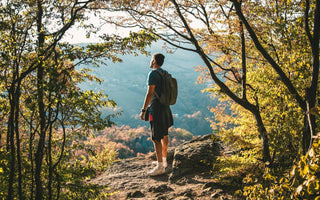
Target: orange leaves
x,y
204,74
158,4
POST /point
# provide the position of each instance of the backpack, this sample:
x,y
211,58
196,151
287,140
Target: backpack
x,y
169,89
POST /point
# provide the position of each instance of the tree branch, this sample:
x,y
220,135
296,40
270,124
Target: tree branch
x,y
244,65
306,22
224,88
266,55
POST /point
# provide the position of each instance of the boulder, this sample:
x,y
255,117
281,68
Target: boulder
x,y
194,156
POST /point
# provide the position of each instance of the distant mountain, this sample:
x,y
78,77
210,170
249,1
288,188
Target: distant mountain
x,y
126,84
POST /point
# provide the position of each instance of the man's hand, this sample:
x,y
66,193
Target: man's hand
x,y
147,99
142,116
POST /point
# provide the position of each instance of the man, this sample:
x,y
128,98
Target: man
x,y
160,115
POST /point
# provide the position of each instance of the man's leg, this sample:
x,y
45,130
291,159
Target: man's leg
x,y
159,169
158,148
165,144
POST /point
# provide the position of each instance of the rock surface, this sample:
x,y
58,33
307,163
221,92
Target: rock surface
x,y
195,155
188,175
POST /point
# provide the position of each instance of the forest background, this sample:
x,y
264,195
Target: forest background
x,y
262,58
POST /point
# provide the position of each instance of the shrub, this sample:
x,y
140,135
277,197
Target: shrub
x,y
301,182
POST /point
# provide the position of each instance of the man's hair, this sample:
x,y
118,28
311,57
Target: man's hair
x,y
159,58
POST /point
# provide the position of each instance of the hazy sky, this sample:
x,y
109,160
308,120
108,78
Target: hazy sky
x,y
78,35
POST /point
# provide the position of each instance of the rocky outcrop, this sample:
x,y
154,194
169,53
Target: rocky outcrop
x,y
196,155
188,174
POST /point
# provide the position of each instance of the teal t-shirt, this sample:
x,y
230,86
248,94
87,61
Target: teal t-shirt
x,y
154,78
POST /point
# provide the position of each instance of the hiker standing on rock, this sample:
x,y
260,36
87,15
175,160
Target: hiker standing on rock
x,y
157,113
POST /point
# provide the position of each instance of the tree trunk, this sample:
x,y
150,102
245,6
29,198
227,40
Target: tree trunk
x,y
50,177
41,143
243,62
311,92
40,85
309,123
16,122
306,137
264,138
31,139
10,143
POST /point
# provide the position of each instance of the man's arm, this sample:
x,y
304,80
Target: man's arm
x,y
147,99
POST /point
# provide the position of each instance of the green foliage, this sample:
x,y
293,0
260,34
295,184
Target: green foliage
x,y
234,164
4,168
43,112
78,169
301,182
282,116
100,161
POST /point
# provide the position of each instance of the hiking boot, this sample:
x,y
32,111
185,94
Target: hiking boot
x,y
158,170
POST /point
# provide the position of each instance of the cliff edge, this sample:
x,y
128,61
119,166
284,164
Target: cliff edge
x,y
189,174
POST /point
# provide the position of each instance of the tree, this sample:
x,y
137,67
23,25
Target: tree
x,y
238,41
45,108
311,22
